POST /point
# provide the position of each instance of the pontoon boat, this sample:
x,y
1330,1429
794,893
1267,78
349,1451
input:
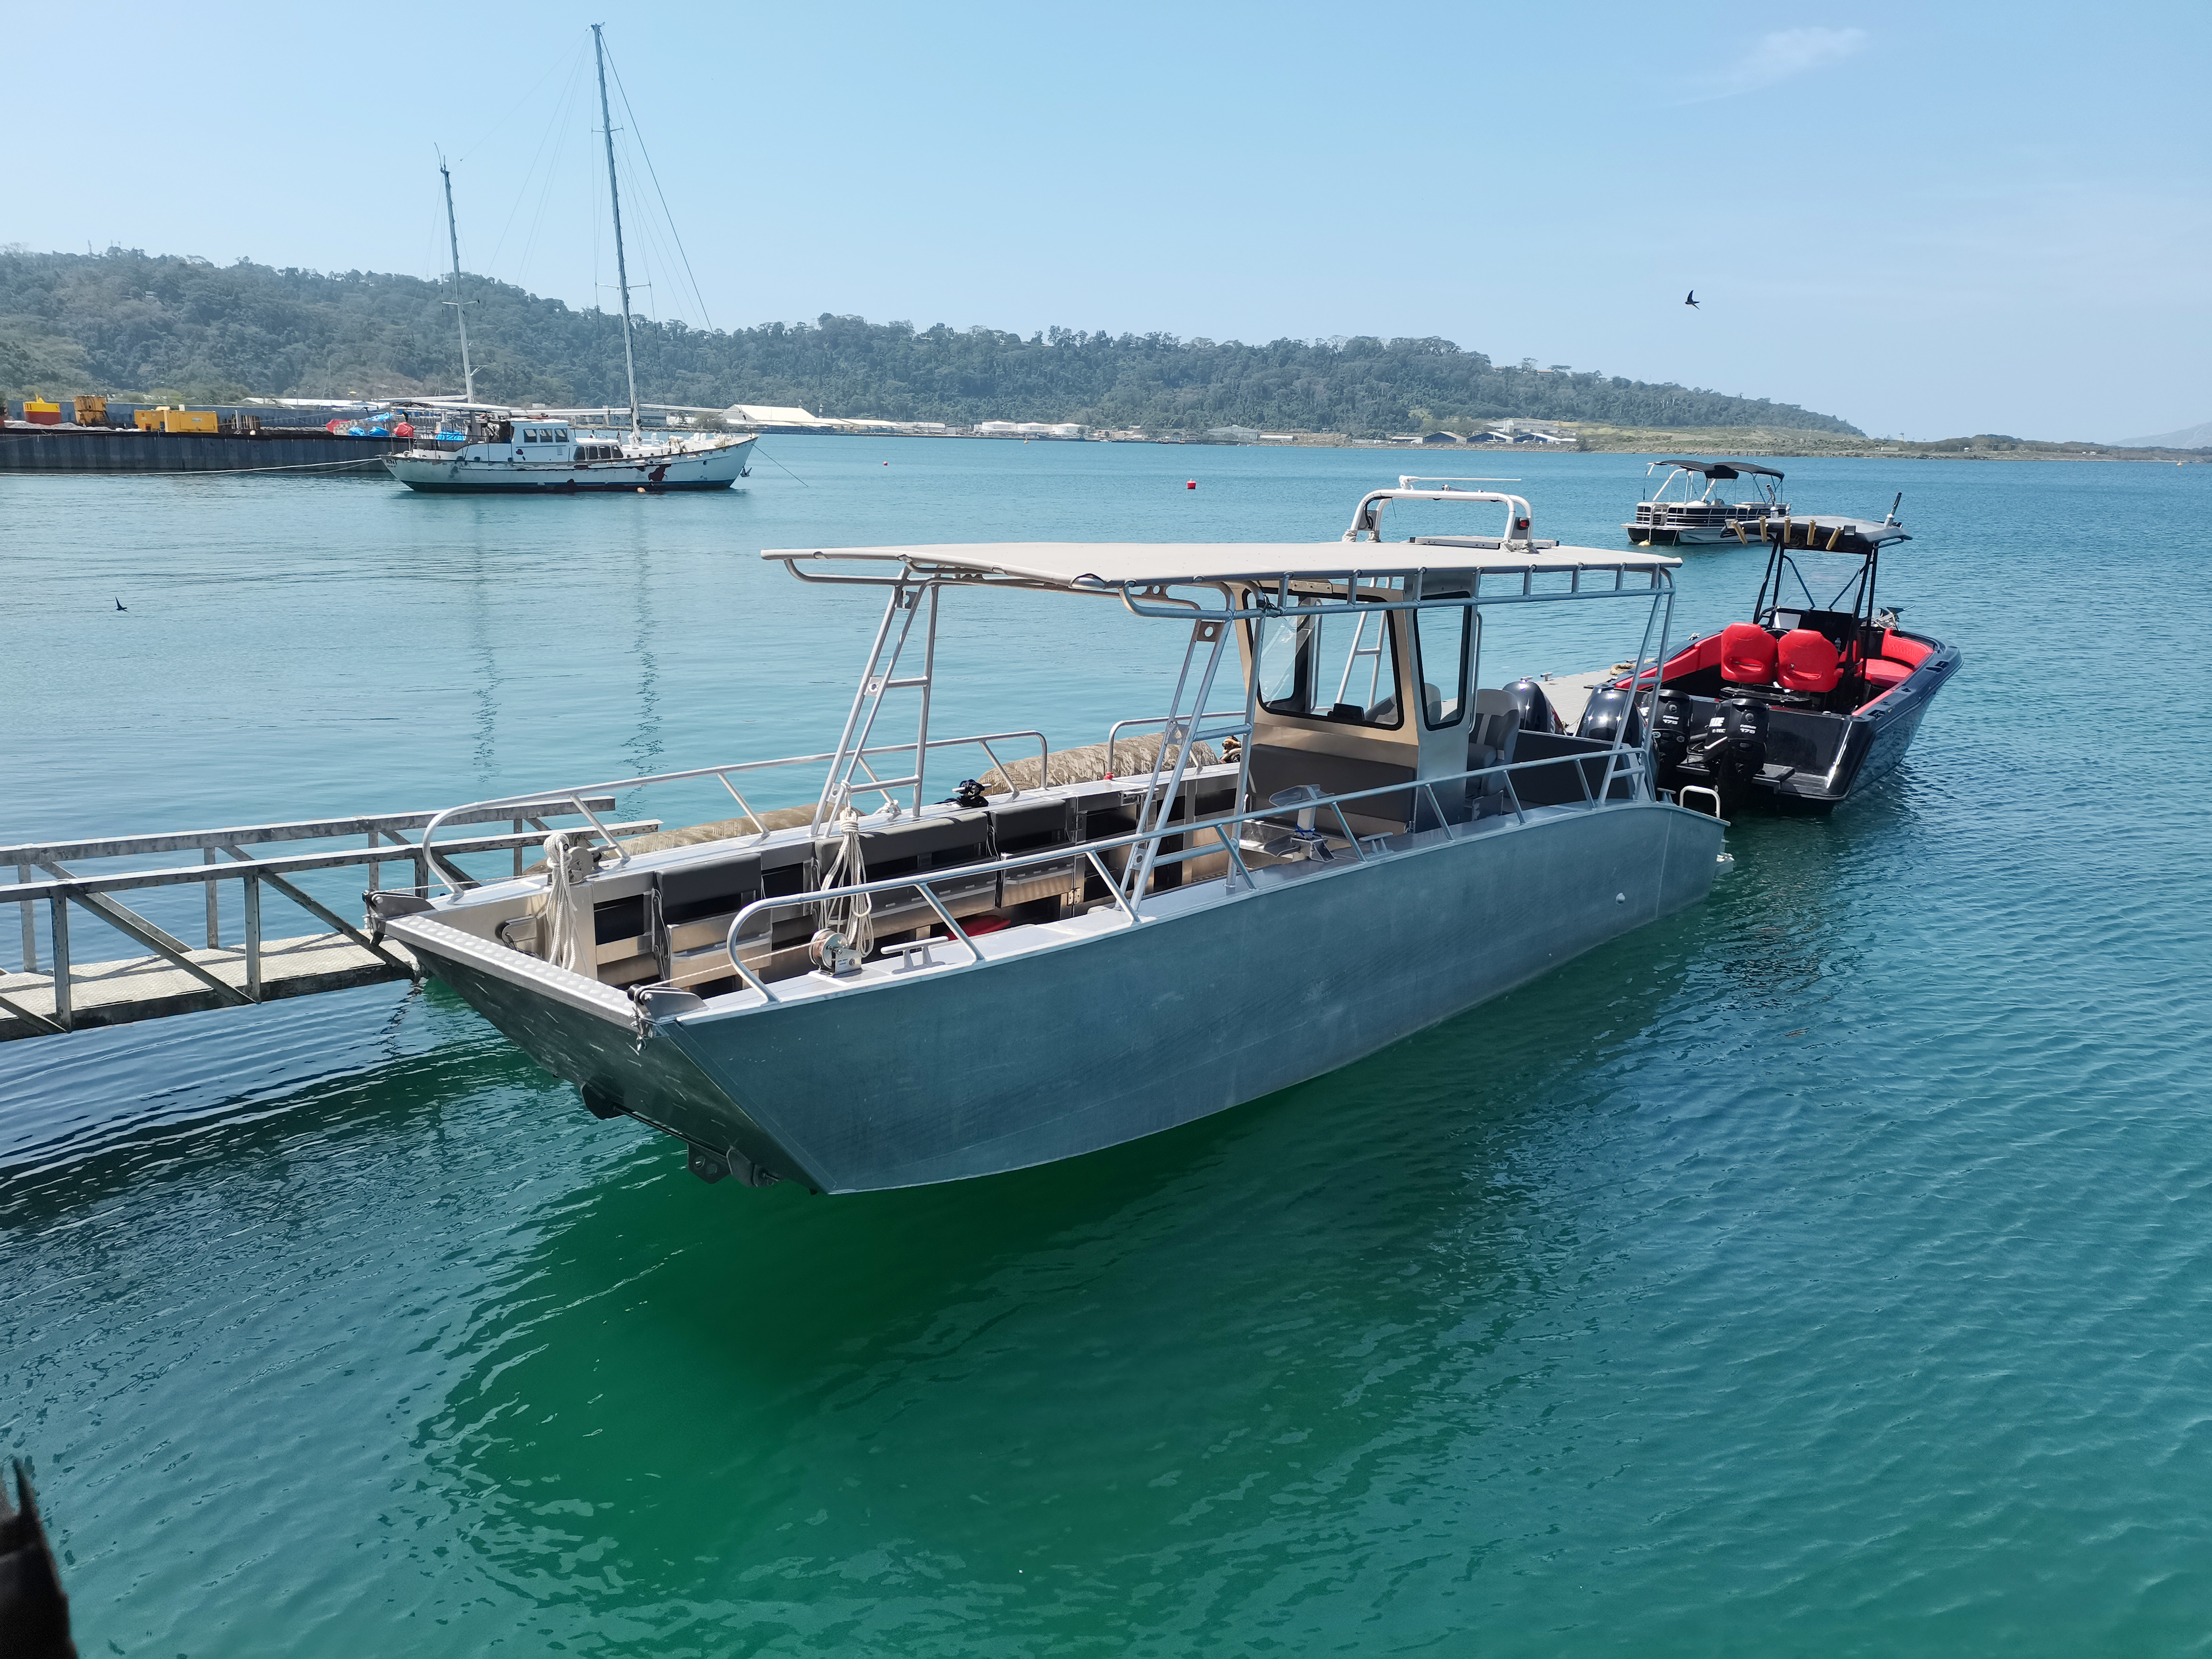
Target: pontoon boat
x,y
1687,518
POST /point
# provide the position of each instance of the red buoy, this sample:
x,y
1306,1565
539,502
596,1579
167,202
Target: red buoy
x,y
1190,483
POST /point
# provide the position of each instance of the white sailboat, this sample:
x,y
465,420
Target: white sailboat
x,y
508,452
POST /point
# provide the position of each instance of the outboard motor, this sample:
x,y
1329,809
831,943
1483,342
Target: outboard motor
x,y
1735,743
1536,712
1670,736
1603,715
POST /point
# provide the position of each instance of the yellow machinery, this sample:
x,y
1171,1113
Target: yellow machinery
x,y
91,412
166,419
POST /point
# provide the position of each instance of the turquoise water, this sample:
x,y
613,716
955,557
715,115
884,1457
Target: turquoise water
x,y
1823,1271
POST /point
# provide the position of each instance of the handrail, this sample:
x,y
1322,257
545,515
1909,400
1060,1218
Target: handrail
x,y
1114,732
1630,762
121,846
183,875
722,772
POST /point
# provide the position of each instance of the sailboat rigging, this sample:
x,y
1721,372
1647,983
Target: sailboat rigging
x,y
508,450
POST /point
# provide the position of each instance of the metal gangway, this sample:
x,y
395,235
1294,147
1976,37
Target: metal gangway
x,y
52,992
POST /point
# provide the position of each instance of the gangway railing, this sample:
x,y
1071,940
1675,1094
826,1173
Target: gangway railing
x,y
44,877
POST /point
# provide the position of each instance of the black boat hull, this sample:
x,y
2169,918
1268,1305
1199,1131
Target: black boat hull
x,y
1817,761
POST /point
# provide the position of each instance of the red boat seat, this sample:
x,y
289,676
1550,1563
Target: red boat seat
x,y
1746,654
1881,673
1808,662
1895,644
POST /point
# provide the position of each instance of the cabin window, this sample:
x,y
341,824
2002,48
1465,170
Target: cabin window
x,y
1335,666
1446,639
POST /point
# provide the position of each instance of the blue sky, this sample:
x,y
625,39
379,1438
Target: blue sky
x,y
1928,219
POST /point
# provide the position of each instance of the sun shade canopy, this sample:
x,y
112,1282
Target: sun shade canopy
x,y
1720,469
1091,567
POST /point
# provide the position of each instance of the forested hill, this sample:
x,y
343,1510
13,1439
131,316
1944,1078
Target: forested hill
x,y
128,322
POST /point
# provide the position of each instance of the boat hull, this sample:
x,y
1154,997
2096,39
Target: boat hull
x,y
443,474
1843,756
979,1069
1679,535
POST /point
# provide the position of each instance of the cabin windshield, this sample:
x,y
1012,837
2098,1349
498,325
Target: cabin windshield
x,y
1334,667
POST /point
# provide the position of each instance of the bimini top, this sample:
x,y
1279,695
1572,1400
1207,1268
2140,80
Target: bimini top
x,y
1827,533
1719,469
1095,566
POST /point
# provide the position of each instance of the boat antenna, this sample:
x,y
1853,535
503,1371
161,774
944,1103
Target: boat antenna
x,y
468,375
614,196
1893,506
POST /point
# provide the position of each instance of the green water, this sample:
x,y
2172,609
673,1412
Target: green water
x,y
1823,1271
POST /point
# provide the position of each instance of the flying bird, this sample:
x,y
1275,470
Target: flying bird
x,y
1692,300
119,605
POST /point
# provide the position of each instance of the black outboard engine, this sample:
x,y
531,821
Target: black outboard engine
x,y
1670,735
1602,717
1536,712
1736,745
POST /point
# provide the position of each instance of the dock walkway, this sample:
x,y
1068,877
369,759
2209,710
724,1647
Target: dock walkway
x,y
169,976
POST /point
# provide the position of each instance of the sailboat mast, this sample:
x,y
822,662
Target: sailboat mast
x,y
468,375
613,195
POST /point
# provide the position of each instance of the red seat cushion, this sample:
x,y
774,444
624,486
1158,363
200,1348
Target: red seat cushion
x,y
1881,673
1746,654
1808,662
1910,651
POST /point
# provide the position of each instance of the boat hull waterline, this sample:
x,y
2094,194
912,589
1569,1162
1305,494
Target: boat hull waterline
x,y
1213,999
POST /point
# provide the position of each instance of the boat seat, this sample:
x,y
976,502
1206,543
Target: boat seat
x,y
1806,661
1882,673
1490,741
1747,654
1035,826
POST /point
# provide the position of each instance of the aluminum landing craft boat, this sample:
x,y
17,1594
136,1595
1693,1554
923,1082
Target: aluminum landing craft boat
x,y
525,456
1687,518
934,991
1809,702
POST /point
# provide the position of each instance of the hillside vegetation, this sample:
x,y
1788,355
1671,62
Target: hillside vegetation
x,y
126,322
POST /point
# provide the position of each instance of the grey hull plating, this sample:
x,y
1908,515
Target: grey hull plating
x,y
973,1070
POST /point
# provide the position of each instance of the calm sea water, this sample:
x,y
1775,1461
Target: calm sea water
x,y
1827,1270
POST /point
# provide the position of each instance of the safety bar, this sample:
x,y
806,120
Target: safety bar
x,y
1622,762
1113,733
721,774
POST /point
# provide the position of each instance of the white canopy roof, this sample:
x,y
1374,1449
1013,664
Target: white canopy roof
x,y
1089,564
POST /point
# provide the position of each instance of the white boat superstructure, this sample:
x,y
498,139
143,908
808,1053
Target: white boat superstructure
x,y
883,989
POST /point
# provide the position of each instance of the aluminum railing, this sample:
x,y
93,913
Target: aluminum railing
x,y
386,844
1620,762
723,773
1113,733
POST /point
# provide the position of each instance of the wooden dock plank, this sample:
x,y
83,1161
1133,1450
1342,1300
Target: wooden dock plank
x,y
150,988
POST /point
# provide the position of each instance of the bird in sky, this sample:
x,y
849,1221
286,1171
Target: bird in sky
x,y
1692,300
119,605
